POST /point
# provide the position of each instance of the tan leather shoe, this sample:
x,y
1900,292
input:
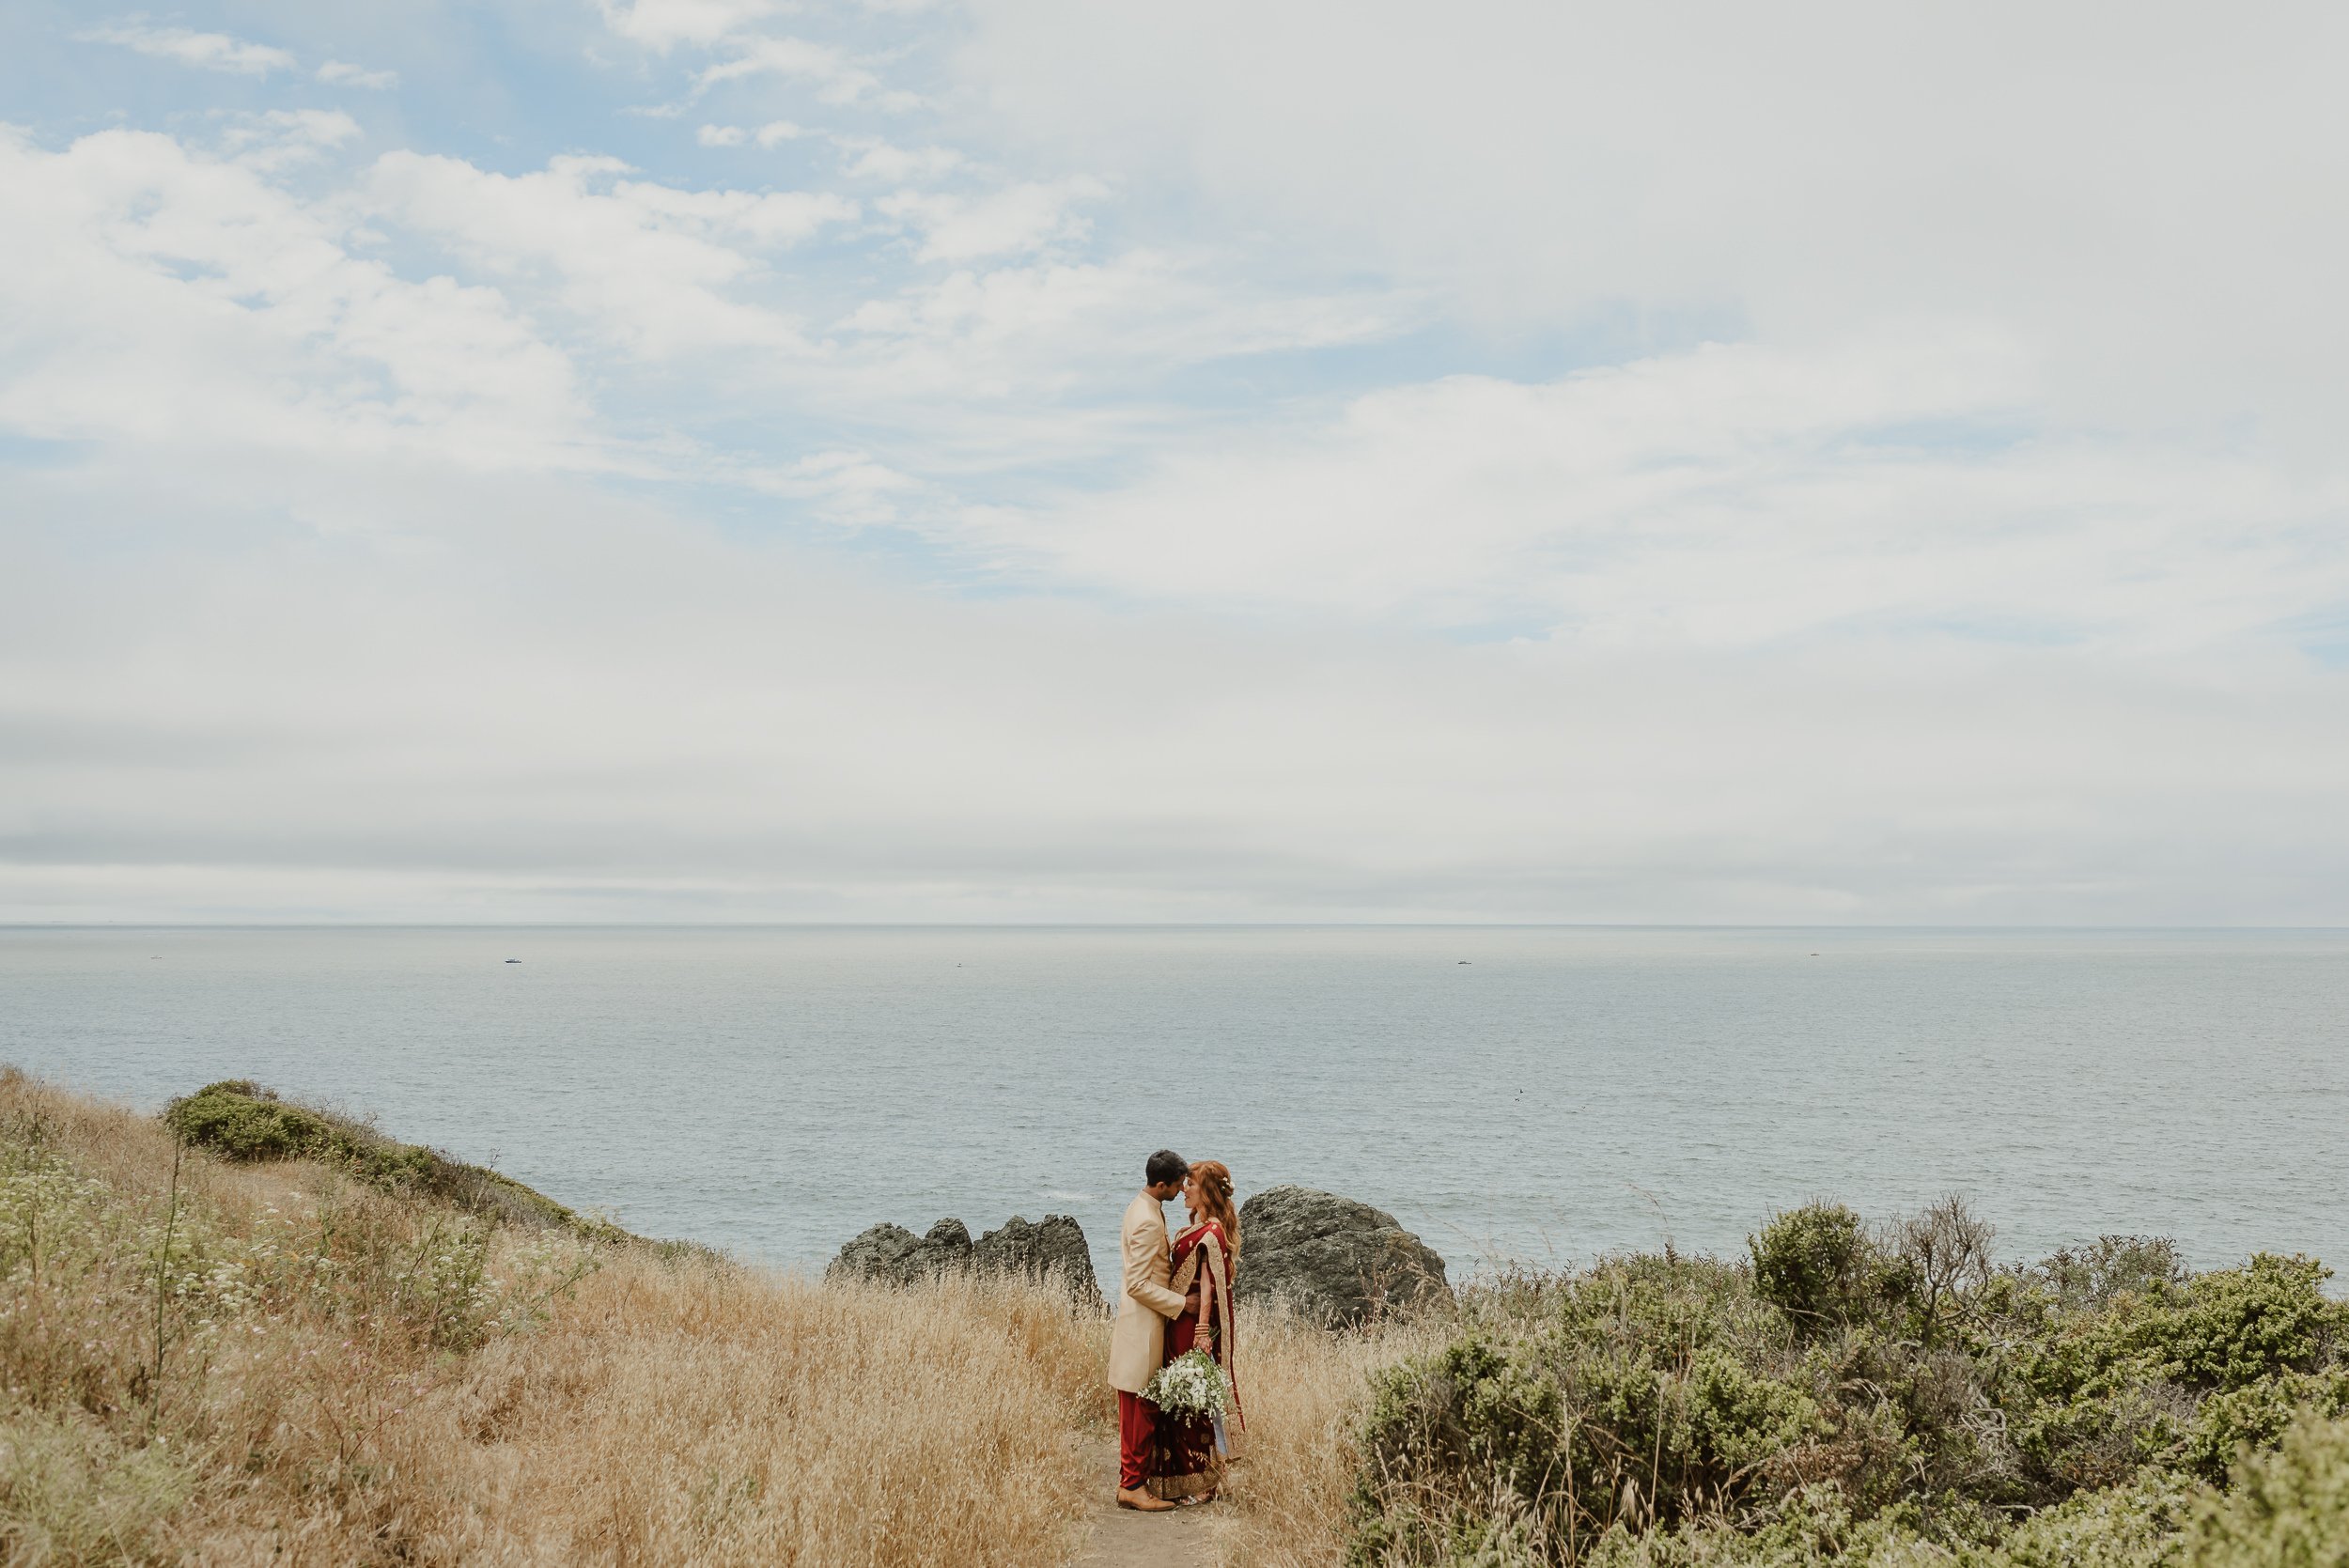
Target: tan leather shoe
x,y
1142,1501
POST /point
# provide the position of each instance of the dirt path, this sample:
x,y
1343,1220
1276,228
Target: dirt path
x,y
1123,1539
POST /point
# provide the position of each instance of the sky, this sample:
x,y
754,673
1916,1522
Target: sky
x,y
1000,461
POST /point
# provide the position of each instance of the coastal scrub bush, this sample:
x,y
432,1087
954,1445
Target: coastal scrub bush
x,y
2178,1372
242,1121
1641,1392
1817,1266
2092,1277
1851,1394
2287,1508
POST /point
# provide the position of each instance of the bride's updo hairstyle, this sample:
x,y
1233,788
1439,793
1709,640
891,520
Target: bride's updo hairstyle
x,y
1215,1192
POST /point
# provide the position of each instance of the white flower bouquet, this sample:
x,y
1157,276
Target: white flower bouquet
x,y
1190,1388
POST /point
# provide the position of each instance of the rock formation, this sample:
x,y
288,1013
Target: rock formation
x,y
1331,1258
1052,1248
894,1255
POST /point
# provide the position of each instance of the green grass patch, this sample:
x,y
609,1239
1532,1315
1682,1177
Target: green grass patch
x,y
241,1120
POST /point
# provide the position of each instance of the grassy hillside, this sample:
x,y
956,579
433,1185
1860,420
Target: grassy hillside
x,y
250,1331
311,1360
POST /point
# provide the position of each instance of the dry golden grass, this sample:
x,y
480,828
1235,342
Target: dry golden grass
x,y
1304,1391
348,1377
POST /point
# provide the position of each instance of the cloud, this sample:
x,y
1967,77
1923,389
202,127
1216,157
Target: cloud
x,y
522,698
644,265
1018,218
1520,464
1728,498
205,50
836,78
340,73
870,158
280,139
662,25
1067,325
171,300
1793,175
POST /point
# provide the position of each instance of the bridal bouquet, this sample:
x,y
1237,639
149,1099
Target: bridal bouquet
x,y
1189,1386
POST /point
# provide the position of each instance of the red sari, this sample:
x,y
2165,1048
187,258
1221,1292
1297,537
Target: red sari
x,y
1184,1459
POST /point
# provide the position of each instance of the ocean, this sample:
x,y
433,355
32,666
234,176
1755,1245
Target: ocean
x,y
1539,1094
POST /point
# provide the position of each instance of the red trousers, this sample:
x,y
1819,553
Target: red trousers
x,y
1137,1418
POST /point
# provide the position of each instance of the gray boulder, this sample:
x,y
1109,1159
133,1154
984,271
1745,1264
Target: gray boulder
x,y
1331,1258
1053,1249
894,1255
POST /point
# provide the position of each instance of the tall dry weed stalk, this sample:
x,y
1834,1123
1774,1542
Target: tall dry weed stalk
x,y
1306,1391
360,1378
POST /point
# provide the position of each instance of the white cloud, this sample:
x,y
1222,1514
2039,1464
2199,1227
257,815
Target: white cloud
x,y
525,699
341,73
646,265
836,78
1729,498
1015,219
870,158
205,50
1071,324
280,139
1965,586
1800,173
315,128
172,299
662,25
846,487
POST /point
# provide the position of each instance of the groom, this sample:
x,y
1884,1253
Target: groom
x,y
1144,1303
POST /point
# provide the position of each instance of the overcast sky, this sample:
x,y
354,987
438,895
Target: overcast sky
x,y
734,459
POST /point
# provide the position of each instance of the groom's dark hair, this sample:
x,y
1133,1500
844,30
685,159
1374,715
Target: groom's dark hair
x,y
1165,1166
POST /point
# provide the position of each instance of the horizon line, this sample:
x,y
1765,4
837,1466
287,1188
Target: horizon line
x,y
1120,925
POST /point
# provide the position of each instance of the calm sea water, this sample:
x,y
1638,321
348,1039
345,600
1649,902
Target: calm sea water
x,y
1535,1094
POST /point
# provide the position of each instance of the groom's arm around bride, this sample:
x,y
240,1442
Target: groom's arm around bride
x,y
1144,1303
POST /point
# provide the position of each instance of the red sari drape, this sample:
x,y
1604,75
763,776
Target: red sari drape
x,y
1185,1461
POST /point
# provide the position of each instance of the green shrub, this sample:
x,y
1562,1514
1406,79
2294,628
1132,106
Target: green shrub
x,y
2091,1278
1645,1391
242,1121
1817,1264
2134,1525
2288,1508
2178,1373
1855,1395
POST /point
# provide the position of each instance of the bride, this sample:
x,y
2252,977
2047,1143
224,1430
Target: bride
x,y
1189,1456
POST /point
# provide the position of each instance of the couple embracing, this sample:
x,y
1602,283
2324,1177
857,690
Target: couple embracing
x,y
1175,1298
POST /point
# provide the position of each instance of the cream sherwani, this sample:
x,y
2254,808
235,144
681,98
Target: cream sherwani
x,y
1144,1301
